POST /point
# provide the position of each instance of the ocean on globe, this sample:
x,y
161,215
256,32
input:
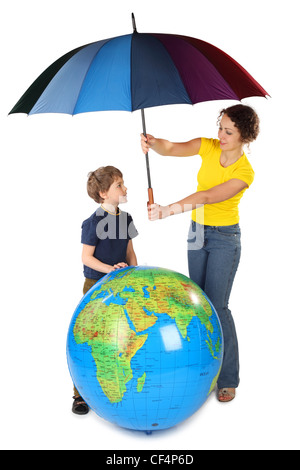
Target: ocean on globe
x,y
145,348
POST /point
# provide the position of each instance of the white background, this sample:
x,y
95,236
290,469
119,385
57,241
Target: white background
x,y
44,164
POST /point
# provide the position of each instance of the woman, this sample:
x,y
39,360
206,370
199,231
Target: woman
x,y
214,246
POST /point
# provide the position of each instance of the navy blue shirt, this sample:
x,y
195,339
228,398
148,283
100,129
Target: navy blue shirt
x,y
110,235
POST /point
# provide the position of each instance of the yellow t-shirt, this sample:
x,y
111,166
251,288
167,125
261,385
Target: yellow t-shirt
x,y
213,173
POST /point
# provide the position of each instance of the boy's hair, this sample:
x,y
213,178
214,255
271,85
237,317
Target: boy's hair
x,y
101,180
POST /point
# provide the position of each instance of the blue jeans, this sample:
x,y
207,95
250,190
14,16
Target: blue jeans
x,y
213,256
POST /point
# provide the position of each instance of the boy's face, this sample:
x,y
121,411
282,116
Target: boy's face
x,y
117,193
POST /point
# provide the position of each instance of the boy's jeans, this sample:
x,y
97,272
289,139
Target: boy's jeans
x,y
213,256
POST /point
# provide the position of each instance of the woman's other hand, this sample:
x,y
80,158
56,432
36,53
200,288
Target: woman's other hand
x,y
155,212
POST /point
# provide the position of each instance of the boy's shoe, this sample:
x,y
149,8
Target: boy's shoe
x,y
79,406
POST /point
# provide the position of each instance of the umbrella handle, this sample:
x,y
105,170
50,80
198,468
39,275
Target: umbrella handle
x,y
150,190
151,198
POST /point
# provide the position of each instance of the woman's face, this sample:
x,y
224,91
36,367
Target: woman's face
x,y
229,135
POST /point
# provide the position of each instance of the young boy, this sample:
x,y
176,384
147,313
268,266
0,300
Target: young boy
x,y
106,237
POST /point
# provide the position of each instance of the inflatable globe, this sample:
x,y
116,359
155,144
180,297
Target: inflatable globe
x,y
145,348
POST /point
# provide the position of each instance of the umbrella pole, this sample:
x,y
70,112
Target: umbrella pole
x,y
150,190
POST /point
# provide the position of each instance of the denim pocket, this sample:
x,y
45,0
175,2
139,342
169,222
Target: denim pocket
x,y
195,236
229,230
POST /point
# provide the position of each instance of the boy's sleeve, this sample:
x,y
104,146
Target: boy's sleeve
x,y
132,231
89,233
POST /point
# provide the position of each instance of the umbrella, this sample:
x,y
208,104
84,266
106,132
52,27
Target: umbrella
x,y
137,71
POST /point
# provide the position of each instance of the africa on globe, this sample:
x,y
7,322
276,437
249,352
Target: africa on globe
x,y
145,348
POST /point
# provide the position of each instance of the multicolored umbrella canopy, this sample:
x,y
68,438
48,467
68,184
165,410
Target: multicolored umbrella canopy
x,y
137,71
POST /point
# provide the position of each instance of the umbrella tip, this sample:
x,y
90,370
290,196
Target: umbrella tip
x,y
133,23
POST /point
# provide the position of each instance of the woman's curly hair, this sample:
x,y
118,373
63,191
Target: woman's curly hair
x,y
245,119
